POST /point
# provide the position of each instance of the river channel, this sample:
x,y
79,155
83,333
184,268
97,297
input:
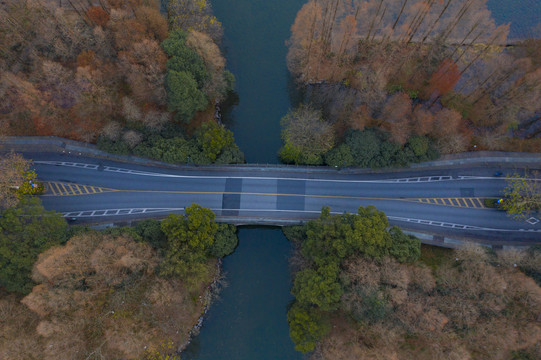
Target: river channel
x,y
249,322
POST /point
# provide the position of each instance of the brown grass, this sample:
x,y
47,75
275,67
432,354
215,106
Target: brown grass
x,y
17,330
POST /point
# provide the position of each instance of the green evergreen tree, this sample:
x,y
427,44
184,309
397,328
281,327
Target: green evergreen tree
x,y
405,248
306,327
183,95
225,241
319,287
213,139
26,231
189,239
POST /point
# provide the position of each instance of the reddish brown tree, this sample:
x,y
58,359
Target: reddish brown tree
x,y
444,79
99,16
422,120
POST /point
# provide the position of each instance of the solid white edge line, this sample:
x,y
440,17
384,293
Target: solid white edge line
x,y
412,180
394,218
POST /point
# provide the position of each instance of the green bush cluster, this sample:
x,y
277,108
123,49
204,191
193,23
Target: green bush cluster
x,y
150,231
186,77
26,230
212,143
189,82
372,148
394,88
326,243
191,239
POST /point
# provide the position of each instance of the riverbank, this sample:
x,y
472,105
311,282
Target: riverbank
x,y
207,299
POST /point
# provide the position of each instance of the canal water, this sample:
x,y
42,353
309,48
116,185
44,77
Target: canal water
x,y
249,322
524,16
255,36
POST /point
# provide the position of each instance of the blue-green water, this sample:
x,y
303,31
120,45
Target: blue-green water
x,y
248,322
255,35
524,16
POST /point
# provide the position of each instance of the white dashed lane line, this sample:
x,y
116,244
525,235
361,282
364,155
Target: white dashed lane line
x,y
412,180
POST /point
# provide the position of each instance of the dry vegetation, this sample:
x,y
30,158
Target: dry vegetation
x,y
13,168
98,297
416,67
468,304
65,69
80,69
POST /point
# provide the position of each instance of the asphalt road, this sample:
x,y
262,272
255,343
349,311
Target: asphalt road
x,y
447,202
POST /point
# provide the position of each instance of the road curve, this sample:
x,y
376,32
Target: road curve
x,y
447,202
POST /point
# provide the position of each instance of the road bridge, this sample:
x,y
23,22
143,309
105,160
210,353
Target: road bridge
x,y
441,201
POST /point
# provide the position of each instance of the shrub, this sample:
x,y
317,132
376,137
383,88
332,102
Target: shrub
x,y
405,248
306,136
25,231
225,241
305,327
151,232
339,156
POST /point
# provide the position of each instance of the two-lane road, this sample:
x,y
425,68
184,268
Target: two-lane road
x,y
447,202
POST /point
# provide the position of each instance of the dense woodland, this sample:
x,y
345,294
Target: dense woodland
x,y
438,68
365,292
118,71
122,293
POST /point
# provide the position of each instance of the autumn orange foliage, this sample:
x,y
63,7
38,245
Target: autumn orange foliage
x,y
444,79
443,55
66,72
99,16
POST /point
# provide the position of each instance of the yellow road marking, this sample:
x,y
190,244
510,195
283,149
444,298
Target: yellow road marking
x,y
469,202
480,203
476,203
65,189
55,189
